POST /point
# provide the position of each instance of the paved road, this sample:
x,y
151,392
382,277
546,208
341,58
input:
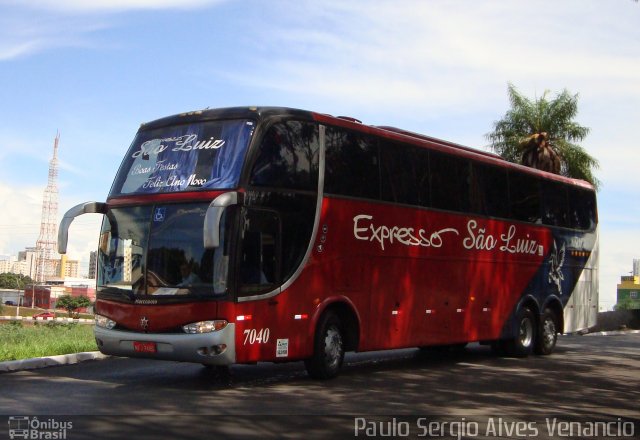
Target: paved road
x,y
587,378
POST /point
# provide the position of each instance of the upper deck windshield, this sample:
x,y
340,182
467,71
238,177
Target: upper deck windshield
x,y
187,157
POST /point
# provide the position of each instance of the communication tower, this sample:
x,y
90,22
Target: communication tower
x,y
47,242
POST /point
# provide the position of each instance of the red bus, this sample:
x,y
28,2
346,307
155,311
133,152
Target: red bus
x,y
270,234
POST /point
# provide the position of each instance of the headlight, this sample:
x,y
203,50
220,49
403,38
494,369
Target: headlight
x,y
104,322
204,326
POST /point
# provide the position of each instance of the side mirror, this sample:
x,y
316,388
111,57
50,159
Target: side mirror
x,y
213,216
70,215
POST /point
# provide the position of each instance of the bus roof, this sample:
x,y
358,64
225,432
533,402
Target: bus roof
x,y
393,133
444,146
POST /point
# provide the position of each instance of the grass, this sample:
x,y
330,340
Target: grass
x,y
18,341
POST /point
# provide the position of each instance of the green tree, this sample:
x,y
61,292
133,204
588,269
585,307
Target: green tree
x,y
14,281
72,303
543,134
627,304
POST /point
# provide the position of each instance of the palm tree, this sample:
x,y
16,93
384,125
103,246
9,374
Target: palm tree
x,y
542,134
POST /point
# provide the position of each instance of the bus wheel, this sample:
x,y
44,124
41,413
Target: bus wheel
x,y
522,344
328,351
547,334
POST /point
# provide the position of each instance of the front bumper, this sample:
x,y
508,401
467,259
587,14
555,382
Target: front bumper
x,y
200,348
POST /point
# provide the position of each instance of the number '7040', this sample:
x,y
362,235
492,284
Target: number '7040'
x,y
253,336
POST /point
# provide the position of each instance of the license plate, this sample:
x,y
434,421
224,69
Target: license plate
x,y
145,347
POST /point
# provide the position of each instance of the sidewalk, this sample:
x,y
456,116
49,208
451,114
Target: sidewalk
x,y
613,333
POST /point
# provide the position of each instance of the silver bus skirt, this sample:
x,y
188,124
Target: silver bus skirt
x,y
214,348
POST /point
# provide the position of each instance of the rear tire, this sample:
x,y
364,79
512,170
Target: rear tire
x,y
328,348
547,333
522,344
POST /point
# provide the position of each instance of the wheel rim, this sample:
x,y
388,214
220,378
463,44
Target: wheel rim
x,y
333,347
526,332
549,332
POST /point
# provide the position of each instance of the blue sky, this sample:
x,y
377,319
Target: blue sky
x,y
94,70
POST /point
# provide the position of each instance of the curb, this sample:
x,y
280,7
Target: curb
x,y
50,361
38,320
614,333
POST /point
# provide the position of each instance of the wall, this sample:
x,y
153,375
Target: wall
x,y
608,321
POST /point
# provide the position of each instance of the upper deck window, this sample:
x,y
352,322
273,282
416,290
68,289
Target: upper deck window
x,y
187,157
352,164
288,157
404,174
449,182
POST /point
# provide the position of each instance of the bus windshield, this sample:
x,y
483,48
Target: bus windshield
x,y
158,250
187,157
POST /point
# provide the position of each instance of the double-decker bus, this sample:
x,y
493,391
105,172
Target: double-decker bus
x,y
269,234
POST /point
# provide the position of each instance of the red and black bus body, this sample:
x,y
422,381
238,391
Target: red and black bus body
x,y
404,240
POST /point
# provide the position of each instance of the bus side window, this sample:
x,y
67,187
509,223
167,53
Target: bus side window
x,y
524,198
582,208
450,177
260,253
288,157
352,164
555,204
404,172
489,191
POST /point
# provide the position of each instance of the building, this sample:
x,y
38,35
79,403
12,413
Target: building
x,y
46,296
66,268
27,263
37,296
636,267
93,264
629,292
6,266
11,297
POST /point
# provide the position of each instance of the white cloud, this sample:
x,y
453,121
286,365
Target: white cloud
x,y
24,32
84,6
32,26
20,224
443,55
9,50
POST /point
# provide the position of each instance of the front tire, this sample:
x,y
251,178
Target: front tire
x,y
547,333
328,350
522,344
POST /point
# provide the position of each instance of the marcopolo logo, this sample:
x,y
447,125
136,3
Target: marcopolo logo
x,y
23,427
